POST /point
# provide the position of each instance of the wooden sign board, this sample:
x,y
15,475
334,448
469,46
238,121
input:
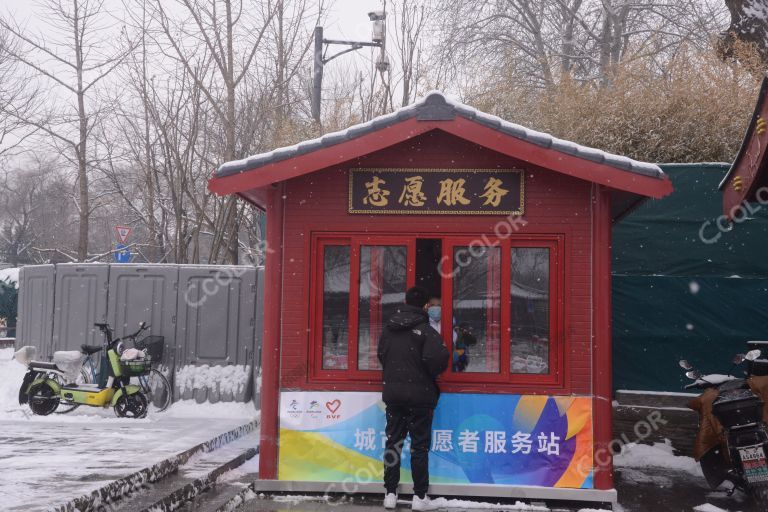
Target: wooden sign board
x,y
437,191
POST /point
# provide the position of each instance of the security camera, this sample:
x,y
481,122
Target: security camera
x,y
377,15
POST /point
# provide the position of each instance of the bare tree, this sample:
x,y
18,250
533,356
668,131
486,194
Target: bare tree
x,y
34,212
17,101
411,22
540,42
749,24
230,34
68,59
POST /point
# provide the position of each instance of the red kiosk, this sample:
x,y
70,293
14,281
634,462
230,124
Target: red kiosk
x,y
512,228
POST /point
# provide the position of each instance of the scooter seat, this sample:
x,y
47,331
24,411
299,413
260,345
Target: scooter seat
x,y
90,349
42,365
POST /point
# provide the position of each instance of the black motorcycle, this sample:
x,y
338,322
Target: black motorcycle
x,y
740,456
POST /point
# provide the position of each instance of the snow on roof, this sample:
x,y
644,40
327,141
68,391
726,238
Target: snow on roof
x,y
435,106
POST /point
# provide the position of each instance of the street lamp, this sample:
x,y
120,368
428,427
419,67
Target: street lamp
x,y
378,38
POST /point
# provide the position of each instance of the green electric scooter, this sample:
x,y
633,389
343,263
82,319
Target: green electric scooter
x,y
44,387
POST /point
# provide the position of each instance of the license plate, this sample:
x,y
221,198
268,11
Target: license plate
x,y
754,463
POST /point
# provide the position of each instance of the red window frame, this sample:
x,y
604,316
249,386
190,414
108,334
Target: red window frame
x,y
354,241
454,382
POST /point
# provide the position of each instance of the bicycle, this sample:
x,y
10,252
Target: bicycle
x,y
154,384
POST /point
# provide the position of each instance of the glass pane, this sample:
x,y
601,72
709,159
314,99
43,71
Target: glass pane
x,y
383,272
530,310
335,307
477,306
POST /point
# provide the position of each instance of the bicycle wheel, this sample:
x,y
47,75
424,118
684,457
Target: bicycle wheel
x,y
157,389
64,406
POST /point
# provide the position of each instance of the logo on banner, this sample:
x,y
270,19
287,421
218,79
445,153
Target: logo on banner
x,y
333,406
313,409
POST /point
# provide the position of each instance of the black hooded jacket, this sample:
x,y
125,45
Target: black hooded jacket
x,y
412,355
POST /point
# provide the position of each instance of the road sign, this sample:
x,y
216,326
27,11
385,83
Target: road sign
x,y
122,254
122,233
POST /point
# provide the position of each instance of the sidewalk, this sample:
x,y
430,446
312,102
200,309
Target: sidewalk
x,y
48,460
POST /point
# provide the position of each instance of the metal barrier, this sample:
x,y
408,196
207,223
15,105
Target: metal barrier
x,y
210,317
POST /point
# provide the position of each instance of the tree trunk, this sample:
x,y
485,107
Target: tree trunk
x,y
154,237
749,24
231,224
80,149
567,47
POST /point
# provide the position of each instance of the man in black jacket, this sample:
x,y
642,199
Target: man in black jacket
x,y
412,355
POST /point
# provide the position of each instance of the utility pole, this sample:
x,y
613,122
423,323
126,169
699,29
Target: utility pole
x,y
317,82
378,18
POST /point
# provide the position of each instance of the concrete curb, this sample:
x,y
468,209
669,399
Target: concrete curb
x,y
102,497
176,498
247,494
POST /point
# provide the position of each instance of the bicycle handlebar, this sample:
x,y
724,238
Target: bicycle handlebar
x,y
142,327
108,331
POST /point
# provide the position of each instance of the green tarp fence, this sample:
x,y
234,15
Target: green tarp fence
x,y
683,287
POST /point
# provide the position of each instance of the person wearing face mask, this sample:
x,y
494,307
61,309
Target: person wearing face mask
x,y
462,335
434,311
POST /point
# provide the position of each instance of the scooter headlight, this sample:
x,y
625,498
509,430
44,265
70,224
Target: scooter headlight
x,y
120,348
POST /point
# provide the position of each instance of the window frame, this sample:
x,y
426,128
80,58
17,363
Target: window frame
x,y
555,380
354,241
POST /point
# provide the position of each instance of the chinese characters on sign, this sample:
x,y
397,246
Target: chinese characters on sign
x,y
469,441
436,191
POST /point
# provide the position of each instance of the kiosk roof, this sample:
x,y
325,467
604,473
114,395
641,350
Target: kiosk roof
x,y
436,111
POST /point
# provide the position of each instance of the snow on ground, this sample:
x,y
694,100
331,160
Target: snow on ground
x,y
658,455
47,460
445,503
310,503
708,508
10,275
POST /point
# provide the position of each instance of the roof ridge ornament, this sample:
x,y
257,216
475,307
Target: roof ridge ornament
x,y
435,108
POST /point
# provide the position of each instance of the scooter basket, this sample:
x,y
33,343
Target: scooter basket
x,y
153,346
136,367
738,411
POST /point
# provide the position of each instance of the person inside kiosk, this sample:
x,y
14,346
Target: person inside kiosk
x,y
462,335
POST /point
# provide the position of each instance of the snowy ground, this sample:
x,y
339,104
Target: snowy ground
x,y
648,479
48,460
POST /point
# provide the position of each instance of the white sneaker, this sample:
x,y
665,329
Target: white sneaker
x,y
422,503
390,500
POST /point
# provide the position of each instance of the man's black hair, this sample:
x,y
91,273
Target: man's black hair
x,y
416,296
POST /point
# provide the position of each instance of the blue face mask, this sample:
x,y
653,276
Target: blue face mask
x,y
434,313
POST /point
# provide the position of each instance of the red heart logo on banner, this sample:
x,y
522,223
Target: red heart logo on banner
x,y
333,406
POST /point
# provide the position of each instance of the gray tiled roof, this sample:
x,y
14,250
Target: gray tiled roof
x,y
436,107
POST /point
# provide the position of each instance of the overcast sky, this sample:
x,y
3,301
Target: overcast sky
x,y
346,19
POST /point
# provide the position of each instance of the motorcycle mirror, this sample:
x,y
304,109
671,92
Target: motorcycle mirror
x,y
739,358
753,355
693,375
685,365
142,325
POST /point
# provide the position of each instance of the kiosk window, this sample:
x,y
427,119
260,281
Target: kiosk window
x,y
383,276
477,304
530,329
502,313
336,260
